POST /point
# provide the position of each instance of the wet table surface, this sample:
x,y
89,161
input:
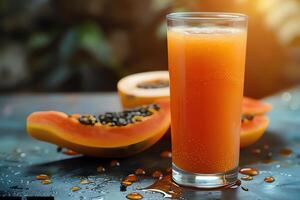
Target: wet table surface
x,y
22,158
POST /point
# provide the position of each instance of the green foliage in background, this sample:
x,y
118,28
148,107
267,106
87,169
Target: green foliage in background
x,y
78,45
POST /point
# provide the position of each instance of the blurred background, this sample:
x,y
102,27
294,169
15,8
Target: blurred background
x,y
87,45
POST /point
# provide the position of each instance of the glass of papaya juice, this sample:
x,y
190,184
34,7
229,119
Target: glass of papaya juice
x,y
206,55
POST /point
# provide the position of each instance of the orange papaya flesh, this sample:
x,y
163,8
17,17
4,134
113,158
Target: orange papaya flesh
x,y
143,88
255,107
99,139
253,129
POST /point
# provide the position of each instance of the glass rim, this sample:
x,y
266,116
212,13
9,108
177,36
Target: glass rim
x,y
213,16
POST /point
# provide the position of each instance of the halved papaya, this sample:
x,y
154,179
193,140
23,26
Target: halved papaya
x,y
253,129
112,135
255,107
143,88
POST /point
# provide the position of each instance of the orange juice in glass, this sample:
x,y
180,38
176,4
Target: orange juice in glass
x,y
206,53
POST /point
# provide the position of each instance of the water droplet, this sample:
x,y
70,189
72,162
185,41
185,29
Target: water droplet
x,y
36,148
269,179
140,171
114,163
75,188
285,152
97,198
157,174
22,155
277,166
266,146
100,169
256,151
249,171
134,196
18,150
247,178
269,155
138,187
166,154
286,96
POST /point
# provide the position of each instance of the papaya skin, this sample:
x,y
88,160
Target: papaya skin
x,y
253,130
99,140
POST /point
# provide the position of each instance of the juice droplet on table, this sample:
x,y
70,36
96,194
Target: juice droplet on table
x,y
114,163
269,179
134,196
157,174
247,178
46,182
165,186
42,177
166,154
285,152
268,161
100,169
140,171
75,188
126,183
70,152
249,171
131,178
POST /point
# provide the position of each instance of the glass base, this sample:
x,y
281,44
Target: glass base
x,y
197,180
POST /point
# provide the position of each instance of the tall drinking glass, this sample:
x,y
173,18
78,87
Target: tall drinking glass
x,y
206,53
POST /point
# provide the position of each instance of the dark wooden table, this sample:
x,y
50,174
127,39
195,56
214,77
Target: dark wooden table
x,y
22,158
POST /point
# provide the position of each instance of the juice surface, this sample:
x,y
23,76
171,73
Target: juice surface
x,y
206,78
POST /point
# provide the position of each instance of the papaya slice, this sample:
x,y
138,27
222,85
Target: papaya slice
x,y
117,134
252,129
255,107
143,88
